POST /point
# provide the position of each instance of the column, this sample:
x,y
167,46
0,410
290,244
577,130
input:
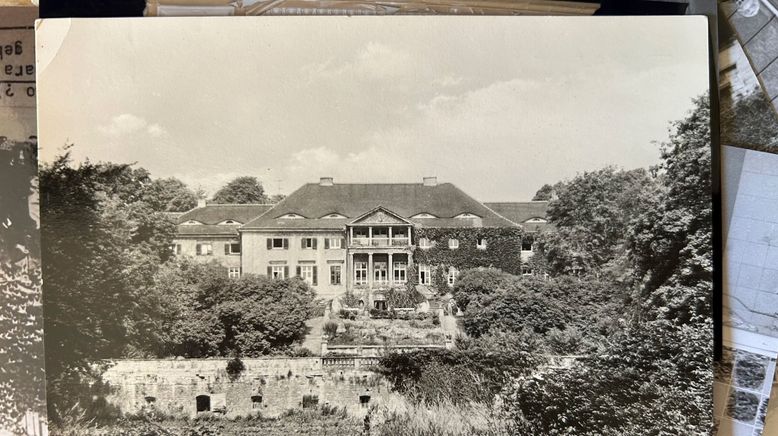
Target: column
x,y
370,272
349,273
351,238
409,237
370,236
390,243
391,266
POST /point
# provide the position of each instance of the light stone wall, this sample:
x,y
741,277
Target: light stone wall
x,y
189,248
256,257
174,385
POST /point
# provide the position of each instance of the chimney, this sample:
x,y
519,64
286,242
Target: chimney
x,y
431,181
200,202
325,181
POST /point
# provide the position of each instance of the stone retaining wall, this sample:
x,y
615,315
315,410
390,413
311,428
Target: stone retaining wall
x,y
268,386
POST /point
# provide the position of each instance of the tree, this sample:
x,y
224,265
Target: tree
x,y
102,245
590,218
170,195
242,190
545,193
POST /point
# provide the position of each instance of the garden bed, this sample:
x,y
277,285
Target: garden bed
x,y
415,329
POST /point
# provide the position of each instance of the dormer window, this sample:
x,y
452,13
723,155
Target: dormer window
x,y
291,216
536,220
424,215
334,216
191,223
228,222
467,215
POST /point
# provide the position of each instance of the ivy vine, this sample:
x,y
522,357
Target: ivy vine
x,y
503,250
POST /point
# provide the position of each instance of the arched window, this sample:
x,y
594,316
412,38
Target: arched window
x,y
150,400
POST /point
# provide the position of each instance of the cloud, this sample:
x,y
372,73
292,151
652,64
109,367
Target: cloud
x,y
129,124
448,81
372,61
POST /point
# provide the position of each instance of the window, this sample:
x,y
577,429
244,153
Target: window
x,y
308,243
204,249
227,222
526,244
380,272
400,272
256,401
453,243
232,248
234,272
526,270
291,216
452,275
333,216
360,273
425,276
278,271
277,243
364,400
333,243
424,215
466,215
150,400
481,244
203,403
307,273
176,249
424,243
310,401
335,271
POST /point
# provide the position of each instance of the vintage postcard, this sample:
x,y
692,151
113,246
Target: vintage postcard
x,y
376,226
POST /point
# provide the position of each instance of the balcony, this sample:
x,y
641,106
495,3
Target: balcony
x,y
397,241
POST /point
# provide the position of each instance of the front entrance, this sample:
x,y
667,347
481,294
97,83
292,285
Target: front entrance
x,y
203,403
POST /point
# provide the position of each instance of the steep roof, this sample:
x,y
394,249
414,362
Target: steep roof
x,y
521,211
211,215
314,201
216,213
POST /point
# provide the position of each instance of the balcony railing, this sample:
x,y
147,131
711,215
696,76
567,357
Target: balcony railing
x,y
397,241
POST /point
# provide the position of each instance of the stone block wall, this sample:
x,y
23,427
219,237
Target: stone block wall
x,y
267,386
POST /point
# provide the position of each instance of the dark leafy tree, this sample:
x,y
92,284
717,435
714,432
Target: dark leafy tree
x,y
101,246
545,193
242,190
170,195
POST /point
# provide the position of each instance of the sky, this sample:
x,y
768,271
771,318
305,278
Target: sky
x,y
498,106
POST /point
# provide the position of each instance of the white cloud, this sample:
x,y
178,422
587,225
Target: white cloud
x,y
129,124
373,61
448,81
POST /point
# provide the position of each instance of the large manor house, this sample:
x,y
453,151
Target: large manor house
x,y
361,237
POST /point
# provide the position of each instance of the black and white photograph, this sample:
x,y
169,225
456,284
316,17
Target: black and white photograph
x,y
416,225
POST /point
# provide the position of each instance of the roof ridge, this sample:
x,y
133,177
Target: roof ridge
x,y
238,204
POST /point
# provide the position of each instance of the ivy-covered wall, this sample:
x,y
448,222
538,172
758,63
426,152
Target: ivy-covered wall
x,y
503,249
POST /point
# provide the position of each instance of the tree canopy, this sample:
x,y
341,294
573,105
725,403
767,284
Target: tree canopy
x,y
241,190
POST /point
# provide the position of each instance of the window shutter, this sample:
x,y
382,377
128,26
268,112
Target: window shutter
x,y
342,242
326,243
286,272
269,243
302,242
299,271
315,275
286,244
198,249
270,271
315,240
227,248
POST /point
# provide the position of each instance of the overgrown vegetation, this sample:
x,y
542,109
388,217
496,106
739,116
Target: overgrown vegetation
x,y
628,293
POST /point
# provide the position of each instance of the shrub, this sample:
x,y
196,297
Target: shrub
x,y
349,300
235,368
347,314
330,329
381,314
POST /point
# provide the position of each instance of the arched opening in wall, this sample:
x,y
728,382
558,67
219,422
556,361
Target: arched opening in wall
x,y
310,401
364,400
203,403
256,401
150,400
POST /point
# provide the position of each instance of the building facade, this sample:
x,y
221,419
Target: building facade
x,y
361,238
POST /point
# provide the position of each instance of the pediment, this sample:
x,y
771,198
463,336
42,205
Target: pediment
x,y
380,215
